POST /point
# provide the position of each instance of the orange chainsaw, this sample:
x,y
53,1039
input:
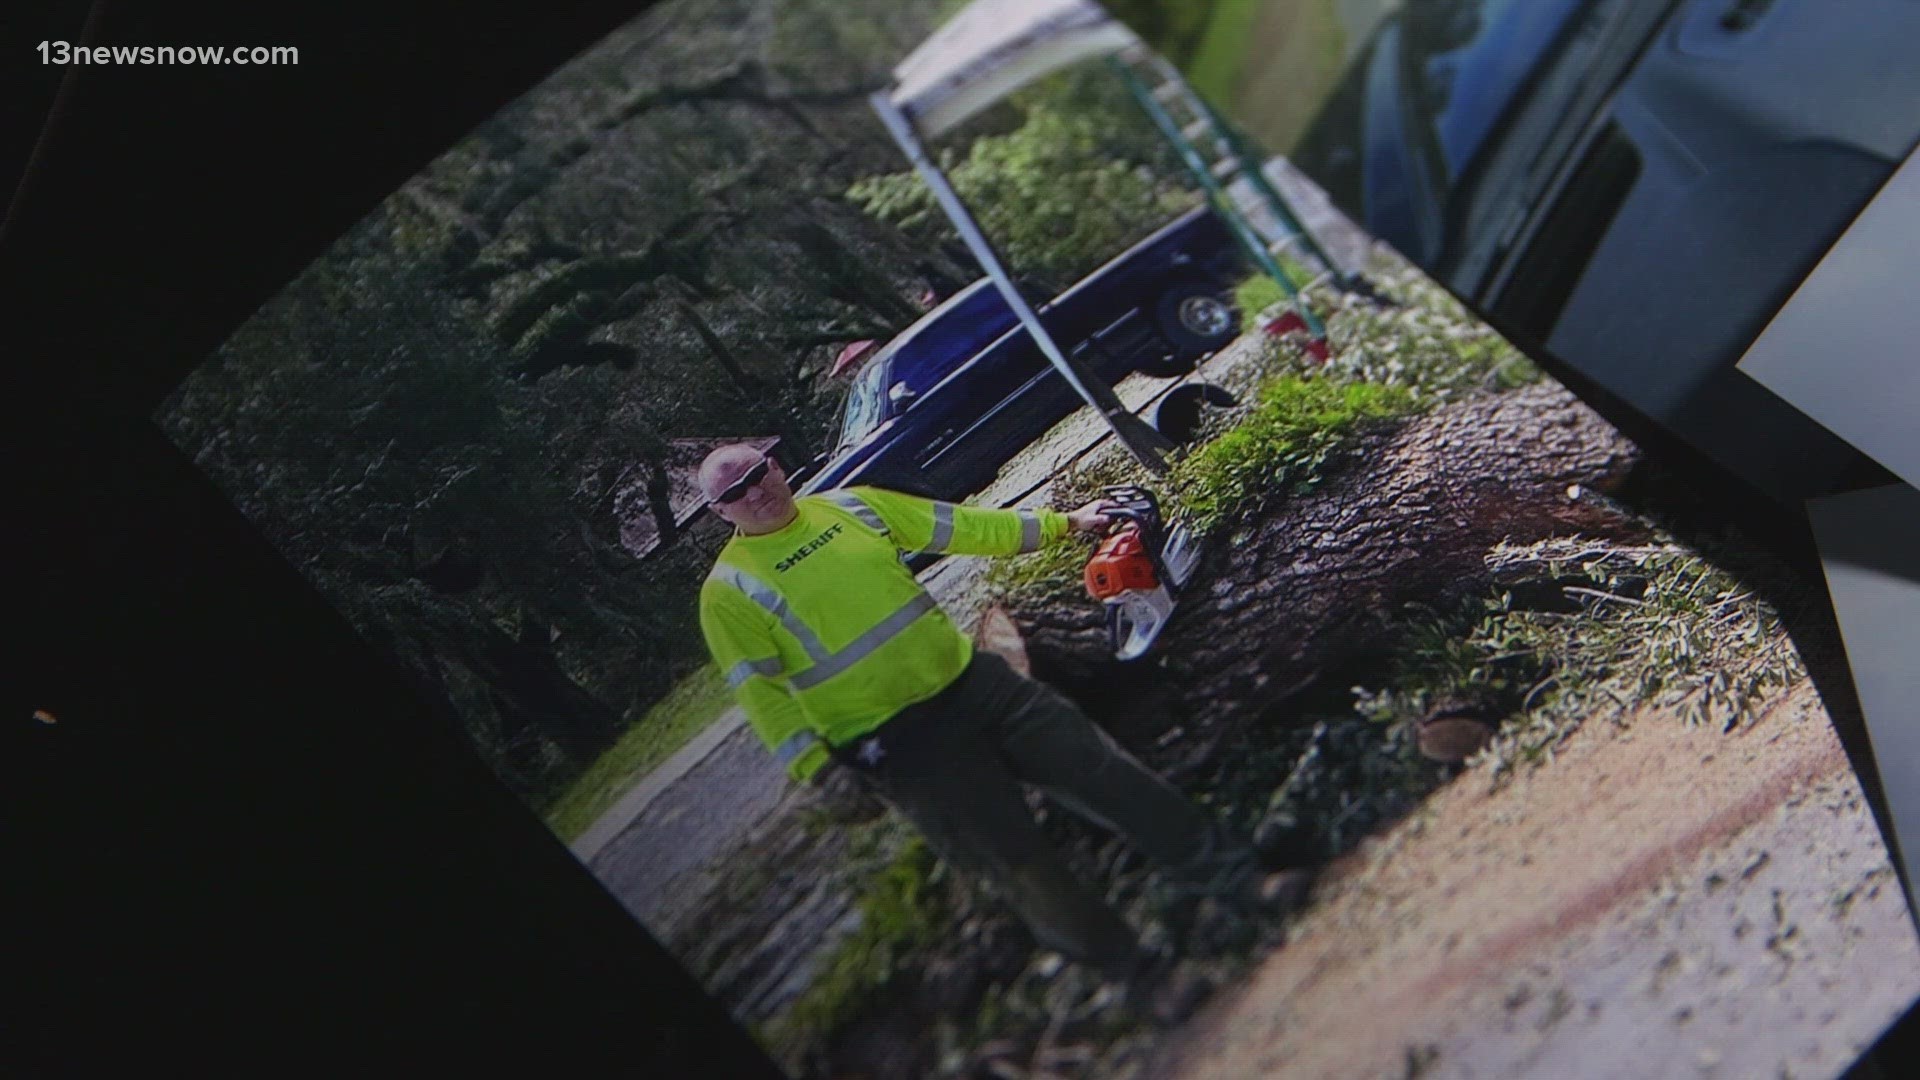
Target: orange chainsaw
x,y
1139,569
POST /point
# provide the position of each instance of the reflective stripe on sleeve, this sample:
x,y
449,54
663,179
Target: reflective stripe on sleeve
x,y
769,666
855,505
865,645
798,743
1029,531
942,529
776,605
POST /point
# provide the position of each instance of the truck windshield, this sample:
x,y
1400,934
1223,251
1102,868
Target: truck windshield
x,y
866,402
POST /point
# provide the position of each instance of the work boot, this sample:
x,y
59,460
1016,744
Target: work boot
x,y
1161,989
1220,869
1130,985
1284,839
1284,892
1179,995
1232,875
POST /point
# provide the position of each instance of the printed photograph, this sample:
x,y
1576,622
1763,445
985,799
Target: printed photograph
x,y
1006,574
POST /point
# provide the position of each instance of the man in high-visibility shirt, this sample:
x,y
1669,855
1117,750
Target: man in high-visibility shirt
x,y
842,660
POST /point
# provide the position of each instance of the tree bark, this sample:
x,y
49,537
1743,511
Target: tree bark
x,y
1307,589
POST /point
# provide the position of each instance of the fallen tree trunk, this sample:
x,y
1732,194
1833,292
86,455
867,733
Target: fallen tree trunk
x,y
1311,589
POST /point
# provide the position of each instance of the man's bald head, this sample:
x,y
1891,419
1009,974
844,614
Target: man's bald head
x,y
762,507
725,465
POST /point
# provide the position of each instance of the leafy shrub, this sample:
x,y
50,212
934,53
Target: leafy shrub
x,y
1050,194
1280,446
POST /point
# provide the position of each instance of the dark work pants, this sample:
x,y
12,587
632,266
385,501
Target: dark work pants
x,y
953,766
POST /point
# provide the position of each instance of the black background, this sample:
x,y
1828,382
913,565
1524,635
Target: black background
x,y
240,844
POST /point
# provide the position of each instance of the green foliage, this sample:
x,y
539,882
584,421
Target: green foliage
x,y
1416,346
1054,570
1126,133
1270,64
901,912
1654,626
1255,295
1032,189
1274,66
1280,446
684,712
1259,293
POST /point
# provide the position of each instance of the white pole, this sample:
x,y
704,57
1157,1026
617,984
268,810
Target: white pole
x,y
1134,433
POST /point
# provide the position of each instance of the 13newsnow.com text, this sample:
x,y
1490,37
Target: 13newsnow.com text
x,y
61,52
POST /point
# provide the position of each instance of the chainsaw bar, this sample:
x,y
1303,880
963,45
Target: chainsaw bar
x,y
1136,618
1181,556
1139,570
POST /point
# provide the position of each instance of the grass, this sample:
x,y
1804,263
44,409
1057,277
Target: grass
x,y
1429,343
1054,570
1260,292
901,912
1280,445
687,709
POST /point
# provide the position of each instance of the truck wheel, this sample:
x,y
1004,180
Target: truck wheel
x,y
1195,320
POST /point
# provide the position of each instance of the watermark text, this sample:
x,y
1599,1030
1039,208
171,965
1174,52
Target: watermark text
x,y
62,52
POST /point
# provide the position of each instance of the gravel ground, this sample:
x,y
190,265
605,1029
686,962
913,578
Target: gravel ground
x,y
1660,900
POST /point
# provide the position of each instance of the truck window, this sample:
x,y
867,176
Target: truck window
x,y
944,338
866,402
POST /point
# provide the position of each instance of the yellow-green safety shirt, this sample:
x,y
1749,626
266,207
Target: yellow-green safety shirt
x,y
822,630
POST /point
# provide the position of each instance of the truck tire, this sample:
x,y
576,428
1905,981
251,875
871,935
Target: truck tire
x,y
1195,320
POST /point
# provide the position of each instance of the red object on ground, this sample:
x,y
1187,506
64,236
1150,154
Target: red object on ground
x,y
1121,563
1291,323
1286,324
851,355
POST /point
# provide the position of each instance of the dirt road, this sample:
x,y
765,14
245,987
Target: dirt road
x,y
1659,900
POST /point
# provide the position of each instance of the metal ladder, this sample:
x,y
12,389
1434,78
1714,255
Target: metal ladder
x,y
1233,155
1184,118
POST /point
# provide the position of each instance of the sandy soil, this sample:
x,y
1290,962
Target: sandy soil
x,y
1658,900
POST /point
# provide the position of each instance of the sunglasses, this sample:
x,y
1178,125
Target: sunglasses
x,y
737,490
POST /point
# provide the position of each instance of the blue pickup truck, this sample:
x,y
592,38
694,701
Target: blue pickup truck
x,y
949,400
